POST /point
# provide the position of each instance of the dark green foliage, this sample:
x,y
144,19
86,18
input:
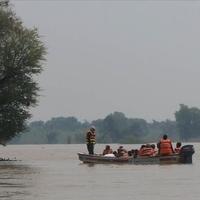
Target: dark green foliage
x,y
114,125
21,53
157,129
57,130
51,138
117,128
114,128
188,122
4,3
61,123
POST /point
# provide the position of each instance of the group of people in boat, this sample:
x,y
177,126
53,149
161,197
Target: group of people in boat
x,y
164,147
121,152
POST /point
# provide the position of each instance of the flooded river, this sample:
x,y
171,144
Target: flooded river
x,y
53,172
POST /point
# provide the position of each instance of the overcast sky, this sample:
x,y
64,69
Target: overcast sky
x,y
141,58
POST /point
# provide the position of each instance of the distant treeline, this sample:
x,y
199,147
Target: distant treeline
x,y
114,128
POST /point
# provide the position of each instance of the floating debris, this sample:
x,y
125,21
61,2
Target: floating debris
x,y
8,159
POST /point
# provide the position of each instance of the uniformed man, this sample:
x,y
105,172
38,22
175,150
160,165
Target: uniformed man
x,y
91,139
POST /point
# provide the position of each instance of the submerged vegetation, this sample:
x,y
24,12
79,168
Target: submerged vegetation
x,y
114,128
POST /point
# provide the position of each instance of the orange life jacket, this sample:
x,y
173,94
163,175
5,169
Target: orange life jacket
x,y
90,137
165,147
146,151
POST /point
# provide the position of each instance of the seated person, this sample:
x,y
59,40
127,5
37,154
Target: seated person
x,y
146,150
115,154
178,147
121,152
155,152
107,150
131,152
141,149
165,146
135,153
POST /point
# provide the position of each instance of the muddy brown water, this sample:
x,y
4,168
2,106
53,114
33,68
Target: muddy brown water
x,y
53,172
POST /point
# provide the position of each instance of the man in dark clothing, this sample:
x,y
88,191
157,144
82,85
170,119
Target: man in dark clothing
x,y
91,140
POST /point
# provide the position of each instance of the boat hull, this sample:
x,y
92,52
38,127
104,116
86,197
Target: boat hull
x,y
97,158
172,159
184,157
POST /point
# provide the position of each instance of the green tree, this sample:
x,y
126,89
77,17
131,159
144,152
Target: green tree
x,y
188,122
21,56
114,125
63,123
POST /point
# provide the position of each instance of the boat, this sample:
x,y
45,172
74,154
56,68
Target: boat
x,y
184,157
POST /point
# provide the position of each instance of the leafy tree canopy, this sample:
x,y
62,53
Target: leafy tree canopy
x,y
188,122
21,53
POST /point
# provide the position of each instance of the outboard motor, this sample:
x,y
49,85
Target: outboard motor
x,y
186,153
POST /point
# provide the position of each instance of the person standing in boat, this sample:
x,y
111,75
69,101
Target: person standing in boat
x,y
91,139
165,146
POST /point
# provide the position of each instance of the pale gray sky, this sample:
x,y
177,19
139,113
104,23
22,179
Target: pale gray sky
x,y
141,58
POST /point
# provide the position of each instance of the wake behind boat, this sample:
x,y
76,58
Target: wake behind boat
x,y
184,157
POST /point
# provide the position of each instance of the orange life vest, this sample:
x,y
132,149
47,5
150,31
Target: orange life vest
x,y
165,147
146,151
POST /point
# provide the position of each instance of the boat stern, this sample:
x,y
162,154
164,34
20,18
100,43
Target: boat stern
x,y
186,154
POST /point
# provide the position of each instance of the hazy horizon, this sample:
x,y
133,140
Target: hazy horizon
x,y
136,57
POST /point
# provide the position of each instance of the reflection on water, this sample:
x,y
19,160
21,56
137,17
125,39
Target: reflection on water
x,y
53,172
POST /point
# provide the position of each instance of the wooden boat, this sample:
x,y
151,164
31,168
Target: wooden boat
x,y
184,157
99,158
